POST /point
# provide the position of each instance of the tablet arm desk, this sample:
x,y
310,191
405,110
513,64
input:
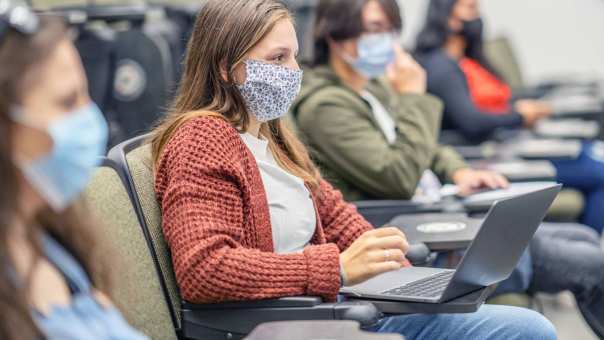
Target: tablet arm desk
x,y
234,320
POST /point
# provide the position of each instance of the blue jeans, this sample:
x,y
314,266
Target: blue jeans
x,y
489,322
569,257
561,257
586,174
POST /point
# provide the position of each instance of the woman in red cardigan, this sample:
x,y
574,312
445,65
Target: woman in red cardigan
x,y
246,214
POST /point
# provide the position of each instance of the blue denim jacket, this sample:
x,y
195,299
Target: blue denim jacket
x,y
84,318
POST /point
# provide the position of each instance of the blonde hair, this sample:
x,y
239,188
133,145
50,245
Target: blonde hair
x,y
224,33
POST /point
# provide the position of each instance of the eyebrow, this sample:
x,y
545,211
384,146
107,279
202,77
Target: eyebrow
x,y
377,23
285,49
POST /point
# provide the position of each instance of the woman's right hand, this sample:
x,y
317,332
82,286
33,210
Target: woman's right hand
x,y
375,252
405,74
532,111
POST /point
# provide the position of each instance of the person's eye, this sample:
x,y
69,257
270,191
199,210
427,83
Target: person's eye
x,y
279,58
69,102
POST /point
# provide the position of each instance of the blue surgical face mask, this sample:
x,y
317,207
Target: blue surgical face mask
x,y
79,140
375,53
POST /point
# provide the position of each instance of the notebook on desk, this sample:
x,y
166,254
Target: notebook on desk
x,y
567,128
520,170
548,149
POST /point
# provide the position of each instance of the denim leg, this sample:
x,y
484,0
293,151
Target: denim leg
x,y
570,231
569,257
520,279
489,322
566,257
592,216
587,175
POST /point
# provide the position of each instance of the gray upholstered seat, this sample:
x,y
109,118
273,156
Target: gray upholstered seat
x,y
137,287
141,169
501,54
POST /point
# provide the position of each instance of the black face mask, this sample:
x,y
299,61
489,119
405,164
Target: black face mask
x,y
472,30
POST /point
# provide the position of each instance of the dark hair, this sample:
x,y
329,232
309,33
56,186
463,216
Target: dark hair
x,y
19,55
436,27
340,20
436,31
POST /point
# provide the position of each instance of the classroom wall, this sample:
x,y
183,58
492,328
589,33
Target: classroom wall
x,y
551,37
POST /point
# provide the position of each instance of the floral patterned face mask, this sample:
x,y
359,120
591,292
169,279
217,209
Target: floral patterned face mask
x,y
269,90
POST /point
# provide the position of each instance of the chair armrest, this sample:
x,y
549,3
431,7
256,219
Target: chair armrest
x,y
233,320
380,212
286,302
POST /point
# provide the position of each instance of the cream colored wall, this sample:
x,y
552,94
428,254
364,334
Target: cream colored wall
x,y
551,36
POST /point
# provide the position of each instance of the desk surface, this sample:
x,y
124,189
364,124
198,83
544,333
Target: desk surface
x,y
465,304
439,232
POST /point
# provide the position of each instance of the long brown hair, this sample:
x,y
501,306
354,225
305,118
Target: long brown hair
x,y
19,54
224,33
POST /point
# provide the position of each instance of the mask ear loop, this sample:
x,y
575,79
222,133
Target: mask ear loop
x,y
233,81
16,114
341,53
227,76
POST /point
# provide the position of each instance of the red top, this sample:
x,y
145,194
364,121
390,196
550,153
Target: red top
x,y
488,93
217,225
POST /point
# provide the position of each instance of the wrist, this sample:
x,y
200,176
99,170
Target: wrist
x,y
459,174
342,275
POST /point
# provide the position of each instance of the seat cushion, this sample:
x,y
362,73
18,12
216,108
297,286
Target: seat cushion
x,y
567,207
517,300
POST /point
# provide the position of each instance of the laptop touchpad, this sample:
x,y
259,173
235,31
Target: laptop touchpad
x,y
391,280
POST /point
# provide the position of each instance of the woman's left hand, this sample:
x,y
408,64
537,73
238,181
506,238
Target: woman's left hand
x,y
470,180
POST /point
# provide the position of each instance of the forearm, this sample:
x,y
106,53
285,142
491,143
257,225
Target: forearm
x,y
447,162
240,274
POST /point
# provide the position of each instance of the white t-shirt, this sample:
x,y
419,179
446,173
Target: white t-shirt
x,y
383,118
291,209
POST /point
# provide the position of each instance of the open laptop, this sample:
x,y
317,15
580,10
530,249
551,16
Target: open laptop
x,y
491,258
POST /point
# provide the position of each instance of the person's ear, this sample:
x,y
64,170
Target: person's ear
x,y
333,46
223,71
238,73
345,47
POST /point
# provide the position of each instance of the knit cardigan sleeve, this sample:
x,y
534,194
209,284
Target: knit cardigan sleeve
x,y
341,221
207,226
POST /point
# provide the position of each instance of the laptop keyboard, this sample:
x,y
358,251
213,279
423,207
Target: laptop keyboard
x,y
429,287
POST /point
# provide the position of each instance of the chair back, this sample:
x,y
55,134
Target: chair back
x,y
500,53
134,156
138,287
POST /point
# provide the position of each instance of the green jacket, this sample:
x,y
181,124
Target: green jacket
x,y
339,127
